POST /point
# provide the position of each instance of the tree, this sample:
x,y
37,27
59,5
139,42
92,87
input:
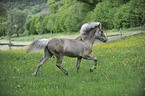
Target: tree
x,y
51,23
76,17
131,14
100,14
65,4
16,21
48,24
91,2
3,19
35,25
53,5
3,11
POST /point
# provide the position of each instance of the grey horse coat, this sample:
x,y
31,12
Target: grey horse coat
x,y
80,48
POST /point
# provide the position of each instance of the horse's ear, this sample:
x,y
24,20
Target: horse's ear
x,y
79,37
97,29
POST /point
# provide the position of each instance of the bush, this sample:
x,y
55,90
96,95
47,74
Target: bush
x,y
102,13
21,6
48,24
37,9
130,15
33,25
68,20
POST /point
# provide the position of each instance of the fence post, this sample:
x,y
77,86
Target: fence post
x,y
121,33
140,28
10,43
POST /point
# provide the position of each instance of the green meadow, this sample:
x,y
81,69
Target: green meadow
x,y
120,72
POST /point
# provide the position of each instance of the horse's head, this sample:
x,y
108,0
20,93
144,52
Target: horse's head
x,y
92,29
100,35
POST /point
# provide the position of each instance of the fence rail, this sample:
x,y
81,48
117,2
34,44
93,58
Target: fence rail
x,y
13,45
131,35
113,35
121,36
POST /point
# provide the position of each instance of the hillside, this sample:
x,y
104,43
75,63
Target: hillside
x,y
57,16
31,9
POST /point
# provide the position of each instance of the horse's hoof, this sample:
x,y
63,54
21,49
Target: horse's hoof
x,y
91,70
67,74
34,74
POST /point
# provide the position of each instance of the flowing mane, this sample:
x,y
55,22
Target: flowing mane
x,y
87,26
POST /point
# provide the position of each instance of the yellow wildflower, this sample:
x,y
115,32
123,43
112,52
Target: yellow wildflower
x,y
33,84
18,85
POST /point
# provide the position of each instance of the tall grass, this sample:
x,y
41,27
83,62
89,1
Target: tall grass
x,y
120,72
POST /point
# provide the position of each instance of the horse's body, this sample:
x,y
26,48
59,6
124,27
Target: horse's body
x,y
68,47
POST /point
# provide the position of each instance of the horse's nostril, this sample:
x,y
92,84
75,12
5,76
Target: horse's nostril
x,y
105,40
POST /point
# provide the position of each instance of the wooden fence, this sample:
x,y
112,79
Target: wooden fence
x,y
11,45
117,35
121,35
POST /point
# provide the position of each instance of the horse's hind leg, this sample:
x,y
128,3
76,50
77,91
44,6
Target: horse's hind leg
x,y
59,65
46,56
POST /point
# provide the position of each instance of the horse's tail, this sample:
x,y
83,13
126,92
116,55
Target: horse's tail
x,y
37,45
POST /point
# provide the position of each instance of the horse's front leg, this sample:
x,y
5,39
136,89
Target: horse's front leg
x,y
89,57
78,63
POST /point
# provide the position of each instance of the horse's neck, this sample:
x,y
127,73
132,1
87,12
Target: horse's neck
x,y
90,41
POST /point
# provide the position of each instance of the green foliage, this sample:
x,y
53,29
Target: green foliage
x,y
120,71
69,15
33,25
121,16
100,13
48,24
16,21
3,11
64,4
3,18
118,13
3,26
70,20
21,6
62,21
91,2
75,21
129,15
53,5
37,9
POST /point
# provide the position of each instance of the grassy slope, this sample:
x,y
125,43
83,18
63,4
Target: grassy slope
x,y
120,72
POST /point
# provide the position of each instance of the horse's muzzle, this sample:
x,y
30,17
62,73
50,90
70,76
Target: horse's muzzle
x,y
105,40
